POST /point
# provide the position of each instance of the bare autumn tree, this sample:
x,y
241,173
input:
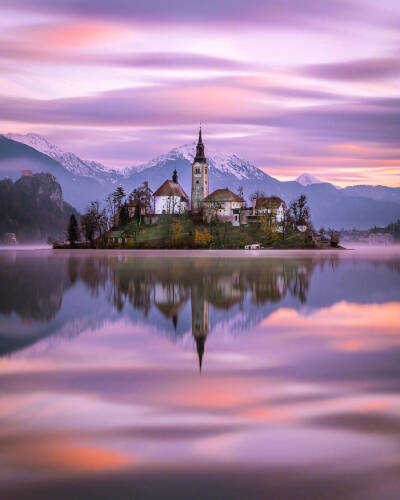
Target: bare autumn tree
x,y
111,209
240,191
144,194
94,222
212,208
300,211
286,223
258,194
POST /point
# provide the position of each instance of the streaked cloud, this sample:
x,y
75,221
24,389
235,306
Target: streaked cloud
x,y
279,83
359,70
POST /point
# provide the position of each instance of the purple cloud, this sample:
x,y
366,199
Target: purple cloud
x,y
360,70
142,60
273,13
172,105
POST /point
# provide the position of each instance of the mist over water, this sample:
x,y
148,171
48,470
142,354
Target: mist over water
x,y
203,374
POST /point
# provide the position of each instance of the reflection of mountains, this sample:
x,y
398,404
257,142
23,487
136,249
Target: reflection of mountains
x,y
59,293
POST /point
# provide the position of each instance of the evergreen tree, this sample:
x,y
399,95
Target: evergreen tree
x,y
123,214
73,230
118,196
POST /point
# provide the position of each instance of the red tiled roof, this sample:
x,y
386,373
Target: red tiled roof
x,y
171,188
269,202
223,195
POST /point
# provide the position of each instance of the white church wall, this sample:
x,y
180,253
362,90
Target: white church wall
x,y
169,205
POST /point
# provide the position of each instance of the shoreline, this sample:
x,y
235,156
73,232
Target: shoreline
x,y
67,247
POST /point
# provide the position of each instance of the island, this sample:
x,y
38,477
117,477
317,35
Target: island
x,y
169,219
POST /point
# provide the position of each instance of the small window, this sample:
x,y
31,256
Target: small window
x,y
197,182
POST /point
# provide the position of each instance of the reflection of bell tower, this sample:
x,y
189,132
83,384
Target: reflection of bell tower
x,y
200,320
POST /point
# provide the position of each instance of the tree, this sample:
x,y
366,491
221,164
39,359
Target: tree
x,y
269,228
258,194
113,204
118,195
172,205
212,207
177,230
334,237
73,230
300,211
240,191
286,223
202,238
111,209
94,222
123,214
144,194
88,226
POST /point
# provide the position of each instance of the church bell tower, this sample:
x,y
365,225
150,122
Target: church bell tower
x,y
200,319
199,177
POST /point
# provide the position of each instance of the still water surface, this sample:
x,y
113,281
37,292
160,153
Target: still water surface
x,y
200,374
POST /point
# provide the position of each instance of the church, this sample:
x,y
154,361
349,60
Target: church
x,y
222,205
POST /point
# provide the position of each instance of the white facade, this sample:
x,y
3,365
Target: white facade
x,y
278,213
170,205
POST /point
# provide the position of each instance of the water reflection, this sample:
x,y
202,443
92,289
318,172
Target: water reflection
x,y
101,392
173,295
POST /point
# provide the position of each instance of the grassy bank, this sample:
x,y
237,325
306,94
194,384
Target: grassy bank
x,y
185,233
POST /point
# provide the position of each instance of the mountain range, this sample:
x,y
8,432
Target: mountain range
x,y
82,180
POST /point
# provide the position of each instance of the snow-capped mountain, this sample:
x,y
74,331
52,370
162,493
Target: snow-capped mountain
x,y
220,163
83,181
70,161
227,170
308,180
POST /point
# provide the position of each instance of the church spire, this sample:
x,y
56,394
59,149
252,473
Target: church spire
x,y
200,141
200,158
200,341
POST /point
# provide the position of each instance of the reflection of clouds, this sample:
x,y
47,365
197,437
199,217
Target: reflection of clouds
x,y
343,326
61,457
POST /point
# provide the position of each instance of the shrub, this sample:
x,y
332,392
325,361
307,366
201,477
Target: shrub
x,y
202,238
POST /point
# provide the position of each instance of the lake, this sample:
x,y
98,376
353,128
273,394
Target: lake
x,y
200,374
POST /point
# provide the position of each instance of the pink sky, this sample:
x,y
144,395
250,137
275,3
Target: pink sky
x,y
300,86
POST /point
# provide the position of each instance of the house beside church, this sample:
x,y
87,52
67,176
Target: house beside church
x,y
272,207
224,206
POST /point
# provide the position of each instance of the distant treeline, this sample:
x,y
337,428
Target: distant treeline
x,y
393,229
33,208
